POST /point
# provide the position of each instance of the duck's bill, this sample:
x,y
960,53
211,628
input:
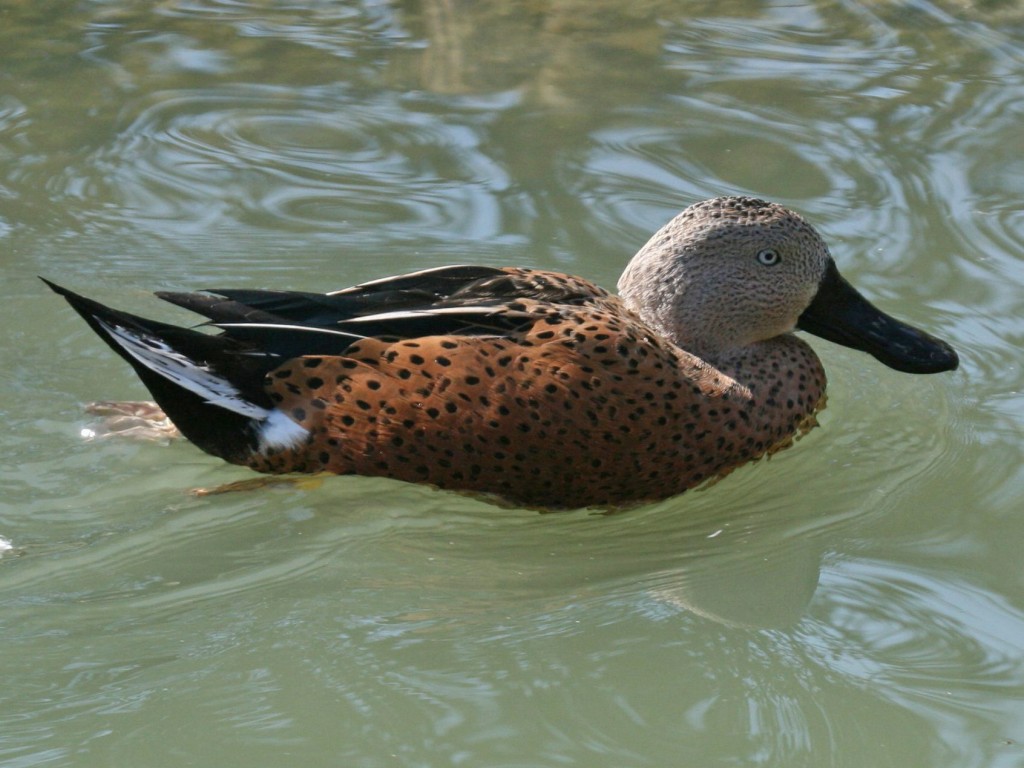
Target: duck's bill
x,y
840,314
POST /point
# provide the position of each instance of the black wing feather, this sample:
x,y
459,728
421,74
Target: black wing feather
x,y
420,290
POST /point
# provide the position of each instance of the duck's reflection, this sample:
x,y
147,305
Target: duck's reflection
x,y
767,589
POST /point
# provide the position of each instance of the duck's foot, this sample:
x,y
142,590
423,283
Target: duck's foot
x,y
307,483
133,419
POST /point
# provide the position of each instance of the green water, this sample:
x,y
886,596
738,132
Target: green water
x,y
855,601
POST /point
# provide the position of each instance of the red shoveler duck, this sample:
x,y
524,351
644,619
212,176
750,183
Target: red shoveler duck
x,y
538,387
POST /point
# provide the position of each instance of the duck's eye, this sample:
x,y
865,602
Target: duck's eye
x,y
769,257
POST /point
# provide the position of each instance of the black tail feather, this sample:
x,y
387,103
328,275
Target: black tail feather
x,y
216,430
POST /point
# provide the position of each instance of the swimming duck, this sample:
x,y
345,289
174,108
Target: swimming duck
x,y
538,387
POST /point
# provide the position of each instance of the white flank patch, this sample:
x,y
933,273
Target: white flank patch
x,y
280,432
174,366
5,546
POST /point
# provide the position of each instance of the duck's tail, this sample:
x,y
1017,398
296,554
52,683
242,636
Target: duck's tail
x,y
210,386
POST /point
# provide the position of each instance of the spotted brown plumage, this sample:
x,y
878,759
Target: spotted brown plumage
x,y
538,387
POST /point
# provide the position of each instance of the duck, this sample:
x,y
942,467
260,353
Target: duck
x,y
527,386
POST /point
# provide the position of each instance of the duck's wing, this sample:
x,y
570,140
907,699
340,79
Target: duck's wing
x,y
416,290
455,300
426,290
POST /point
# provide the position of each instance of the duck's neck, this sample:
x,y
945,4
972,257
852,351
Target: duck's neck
x,y
710,336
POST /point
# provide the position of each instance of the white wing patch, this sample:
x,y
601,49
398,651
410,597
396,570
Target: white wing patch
x,y
390,278
351,337
406,314
277,430
160,358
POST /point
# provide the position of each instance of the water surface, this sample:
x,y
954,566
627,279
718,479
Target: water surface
x,y
855,601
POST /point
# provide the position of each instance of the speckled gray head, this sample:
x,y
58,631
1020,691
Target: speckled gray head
x,y
732,271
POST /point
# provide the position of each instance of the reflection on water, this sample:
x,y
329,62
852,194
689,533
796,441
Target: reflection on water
x,y
856,600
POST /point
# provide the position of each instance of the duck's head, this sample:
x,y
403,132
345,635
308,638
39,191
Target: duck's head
x,y
732,271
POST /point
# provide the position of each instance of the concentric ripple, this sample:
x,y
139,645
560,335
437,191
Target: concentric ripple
x,y
278,160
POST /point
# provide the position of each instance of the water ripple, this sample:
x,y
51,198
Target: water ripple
x,y
914,637
278,160
862,587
